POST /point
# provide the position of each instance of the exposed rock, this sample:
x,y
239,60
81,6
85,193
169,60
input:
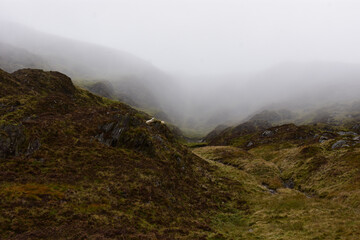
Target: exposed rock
x,y
250,144
11,140
272,191
111,132
323,139
339,144
123,132
347,133
33,146
267,133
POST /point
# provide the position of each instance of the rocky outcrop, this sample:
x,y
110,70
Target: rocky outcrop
x,y
125,131
341,133
12,139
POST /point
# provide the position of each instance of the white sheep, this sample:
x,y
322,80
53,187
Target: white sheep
x,y
150,121
153,120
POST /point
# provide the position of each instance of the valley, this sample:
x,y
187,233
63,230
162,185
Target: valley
x,y
83,166
179,120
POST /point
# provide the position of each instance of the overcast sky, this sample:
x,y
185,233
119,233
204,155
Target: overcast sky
x,y
204,36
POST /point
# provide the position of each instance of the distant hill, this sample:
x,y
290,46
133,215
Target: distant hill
x,y
14,58
132,77
330,116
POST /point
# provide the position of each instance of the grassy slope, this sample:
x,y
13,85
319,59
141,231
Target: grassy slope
x,y
323,205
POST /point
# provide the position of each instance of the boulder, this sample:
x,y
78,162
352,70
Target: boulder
x,y
339,144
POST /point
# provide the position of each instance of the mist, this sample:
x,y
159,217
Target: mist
x,y
195,63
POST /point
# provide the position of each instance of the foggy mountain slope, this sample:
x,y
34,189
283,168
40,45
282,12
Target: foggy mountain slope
x,y
81,59
292,85
87,61
196,104
13,58
305,84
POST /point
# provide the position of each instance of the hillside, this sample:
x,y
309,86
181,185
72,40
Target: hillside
x,y
77,166
302,182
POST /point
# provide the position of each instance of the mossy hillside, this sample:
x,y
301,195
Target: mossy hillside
x,y
315,168
265,172
317,195
66,181
286,213
325,173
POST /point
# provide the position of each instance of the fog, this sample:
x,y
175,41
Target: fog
x,y
199,62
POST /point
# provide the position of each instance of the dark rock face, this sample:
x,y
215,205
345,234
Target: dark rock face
x,y
124,131
110,133
11,140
